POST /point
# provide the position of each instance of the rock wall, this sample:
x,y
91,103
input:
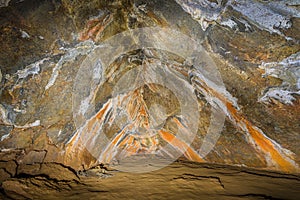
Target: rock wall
x,y
254,46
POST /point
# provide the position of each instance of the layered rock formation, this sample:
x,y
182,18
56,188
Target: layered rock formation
x,y
146,83
176,181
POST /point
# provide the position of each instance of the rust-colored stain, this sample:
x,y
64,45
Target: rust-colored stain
x,y
125,143
131,145
138,136
188,152
158,20
95,27
102,111
265,144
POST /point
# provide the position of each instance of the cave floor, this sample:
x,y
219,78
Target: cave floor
x,y
181,180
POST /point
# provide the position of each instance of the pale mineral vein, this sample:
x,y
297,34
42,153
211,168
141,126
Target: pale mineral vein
x,y
24,34
222,99
203,11
4,115
32,69
29,125
4,3
6,136
82,48
288,70
270,16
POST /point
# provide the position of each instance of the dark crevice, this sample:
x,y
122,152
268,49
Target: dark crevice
x,y
255,195
98,191
256,172
64,166
27,176
198,177
4,169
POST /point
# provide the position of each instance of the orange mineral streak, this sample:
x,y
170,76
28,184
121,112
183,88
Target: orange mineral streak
x,y
153,87
126,144
95,27
159,20
138,111
132,149
100,114
92,127
107,155
182,146
264,144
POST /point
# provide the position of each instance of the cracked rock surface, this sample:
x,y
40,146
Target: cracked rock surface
x,y
180,180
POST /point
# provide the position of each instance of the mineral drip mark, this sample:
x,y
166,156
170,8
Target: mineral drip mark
x,y
138,115
267,145
96,26
76,143
129,144
188,152
279,155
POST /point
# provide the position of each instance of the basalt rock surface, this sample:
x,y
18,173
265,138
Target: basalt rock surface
x,y
57,101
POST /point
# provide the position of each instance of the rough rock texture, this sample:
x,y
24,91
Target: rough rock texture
x,y
48,58
180,180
